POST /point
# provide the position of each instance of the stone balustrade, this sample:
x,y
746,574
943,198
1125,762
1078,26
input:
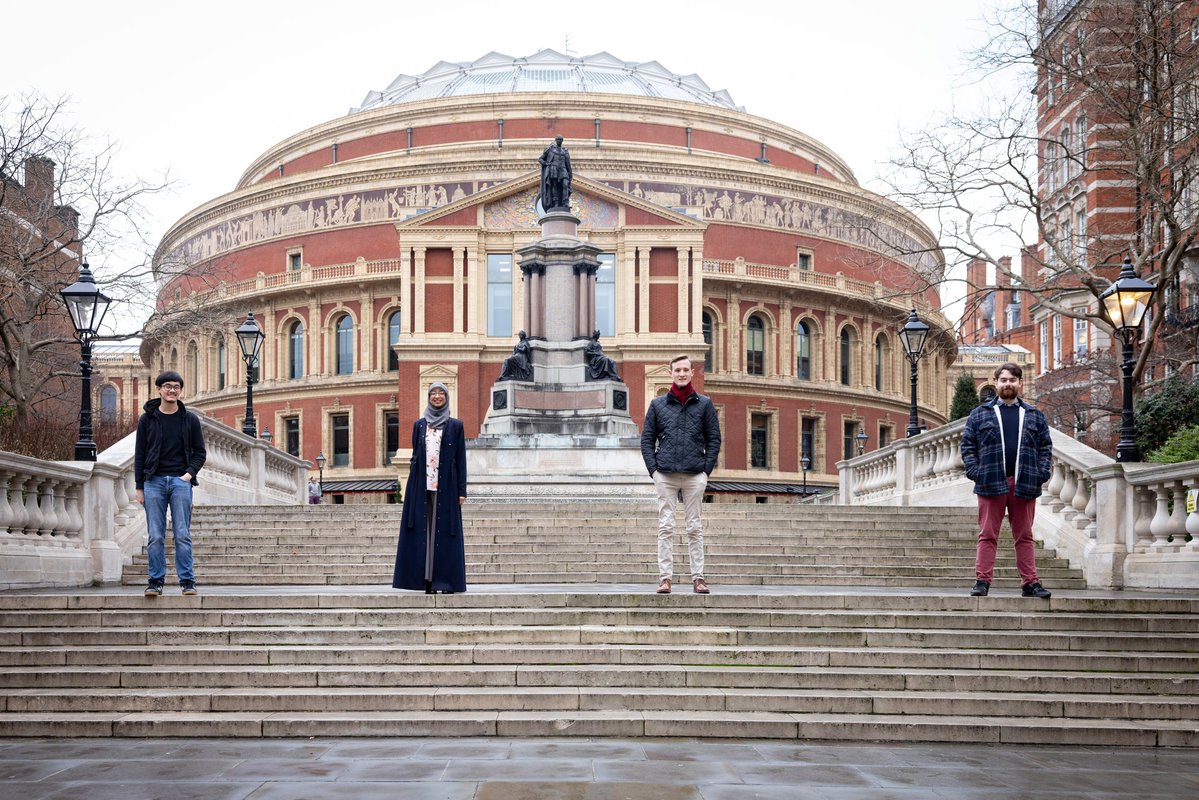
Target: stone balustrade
x,y
1124,525
77,523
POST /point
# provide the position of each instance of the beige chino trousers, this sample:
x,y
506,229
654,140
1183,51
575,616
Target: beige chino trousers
x,y
692,485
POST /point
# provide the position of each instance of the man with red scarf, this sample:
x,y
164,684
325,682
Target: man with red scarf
x,y
680,443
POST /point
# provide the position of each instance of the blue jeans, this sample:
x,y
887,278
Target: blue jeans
x,y
161,492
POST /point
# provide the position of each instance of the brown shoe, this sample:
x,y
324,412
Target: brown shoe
x,y
664,586
699,586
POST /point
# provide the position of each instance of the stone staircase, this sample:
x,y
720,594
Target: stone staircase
x,y
809,633
606,543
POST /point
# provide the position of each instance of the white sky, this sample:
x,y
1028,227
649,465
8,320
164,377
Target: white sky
x,y
200,90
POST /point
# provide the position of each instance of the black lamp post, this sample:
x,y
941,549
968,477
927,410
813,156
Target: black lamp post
x,y
861,441
320,466
1126,302
806,463
249,338
87,306
913,334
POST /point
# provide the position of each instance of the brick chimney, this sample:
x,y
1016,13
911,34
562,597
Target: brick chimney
x,y
39,180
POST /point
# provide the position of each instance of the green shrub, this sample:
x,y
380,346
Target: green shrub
x,y
965,398
1171,408
1182,446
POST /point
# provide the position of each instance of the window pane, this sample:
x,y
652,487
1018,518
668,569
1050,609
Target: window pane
x,y
755,347
391,441
605,295
499,294
706,320
345,345
295,355
341,440
803,352
393,338
851,430
808,442
879,351
220,365
291,435
759,426
846,357
108,403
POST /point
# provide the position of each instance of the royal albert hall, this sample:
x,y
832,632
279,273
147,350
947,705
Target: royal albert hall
x,y
378,252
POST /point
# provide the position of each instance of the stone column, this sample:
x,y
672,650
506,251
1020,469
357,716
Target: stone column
x,y
406,303
697,290
459,270
643,254
366,316
419,293
626,280
580,291
734,337
683,294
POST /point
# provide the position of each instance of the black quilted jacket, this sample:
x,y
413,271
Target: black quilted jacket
x,y
681,437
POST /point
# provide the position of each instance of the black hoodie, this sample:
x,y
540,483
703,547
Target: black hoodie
x,y
146,452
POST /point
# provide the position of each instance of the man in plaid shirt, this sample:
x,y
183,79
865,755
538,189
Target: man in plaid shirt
x,y
1007,451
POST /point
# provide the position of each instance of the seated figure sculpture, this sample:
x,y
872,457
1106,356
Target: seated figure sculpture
x,y
519,365
599,366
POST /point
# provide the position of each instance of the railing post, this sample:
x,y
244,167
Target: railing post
x,y
1115,515
905,476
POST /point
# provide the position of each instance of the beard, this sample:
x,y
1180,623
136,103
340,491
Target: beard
x,y
1007,393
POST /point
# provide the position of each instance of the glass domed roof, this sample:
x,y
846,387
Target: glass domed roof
x,y
547,71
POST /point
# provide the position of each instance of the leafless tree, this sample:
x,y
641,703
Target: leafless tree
x,y
995,178
61,201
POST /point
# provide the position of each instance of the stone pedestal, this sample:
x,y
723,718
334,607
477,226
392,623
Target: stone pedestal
x,y
560,434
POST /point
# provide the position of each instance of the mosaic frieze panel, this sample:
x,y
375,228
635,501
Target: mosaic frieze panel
x,y
519,212
719,205
306,216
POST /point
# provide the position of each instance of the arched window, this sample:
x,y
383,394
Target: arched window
x,y
706,319
193,365
220,364
295,351
846,357
108,403
755,346
880,361
345,345
393,338
803,352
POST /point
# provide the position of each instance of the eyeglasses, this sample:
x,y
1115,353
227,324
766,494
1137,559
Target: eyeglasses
x,y
171,387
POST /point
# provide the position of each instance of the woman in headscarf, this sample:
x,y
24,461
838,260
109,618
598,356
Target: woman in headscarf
x,y
430,554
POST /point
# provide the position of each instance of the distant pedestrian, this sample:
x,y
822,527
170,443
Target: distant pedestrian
x,y
168,453
431,554
679,444
1007,451
314,491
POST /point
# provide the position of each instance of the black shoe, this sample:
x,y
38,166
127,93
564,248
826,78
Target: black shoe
x,y
153,588
1035,589
188,587
980,589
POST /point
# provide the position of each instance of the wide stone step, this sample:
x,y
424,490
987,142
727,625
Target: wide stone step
x,y
757,725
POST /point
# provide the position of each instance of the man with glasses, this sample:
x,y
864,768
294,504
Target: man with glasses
x,y
168,454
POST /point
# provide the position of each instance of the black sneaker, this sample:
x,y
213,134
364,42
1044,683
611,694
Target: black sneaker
x,y
188,587
1035,589
980,589
153,588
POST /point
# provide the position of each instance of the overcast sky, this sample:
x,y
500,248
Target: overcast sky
x,y
200,90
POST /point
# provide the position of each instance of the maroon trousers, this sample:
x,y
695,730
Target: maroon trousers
x,y
990,516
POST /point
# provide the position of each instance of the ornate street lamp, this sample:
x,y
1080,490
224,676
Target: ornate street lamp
x,y
266,435
1126,302
861,441
87,306
806,463
320,466
249,338
913,335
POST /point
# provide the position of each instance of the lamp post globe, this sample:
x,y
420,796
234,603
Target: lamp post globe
x,y
1125,303
249,339
861,437
320,467
87,306
913,335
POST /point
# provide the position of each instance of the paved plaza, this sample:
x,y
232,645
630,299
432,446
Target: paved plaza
x,y
582,769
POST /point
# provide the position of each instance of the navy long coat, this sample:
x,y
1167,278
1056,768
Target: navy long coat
x,y
449,554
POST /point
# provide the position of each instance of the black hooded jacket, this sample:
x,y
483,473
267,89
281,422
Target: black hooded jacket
x,y
147,450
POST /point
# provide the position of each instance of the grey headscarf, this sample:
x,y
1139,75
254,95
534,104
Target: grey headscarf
x,y
435,418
